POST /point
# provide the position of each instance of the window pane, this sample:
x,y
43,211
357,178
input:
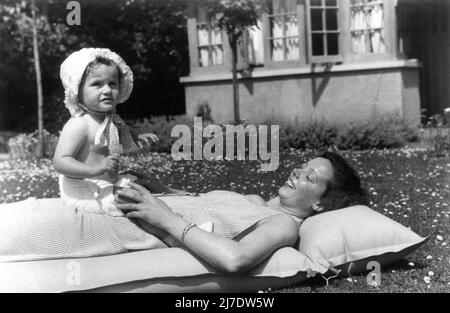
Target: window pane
x,y
331,3
277,26
366,24
331,16
315,2
292,25
317,44
375,17
217,55
376,39
292,49
332,44
316,19
284,31
202,35
203,57
216,36
277,50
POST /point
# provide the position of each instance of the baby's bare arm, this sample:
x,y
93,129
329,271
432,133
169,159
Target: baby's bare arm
x,y
73,136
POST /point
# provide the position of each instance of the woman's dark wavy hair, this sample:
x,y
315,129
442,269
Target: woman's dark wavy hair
x,y
345,188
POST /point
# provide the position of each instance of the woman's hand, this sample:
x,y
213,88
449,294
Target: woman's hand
x,y
143,205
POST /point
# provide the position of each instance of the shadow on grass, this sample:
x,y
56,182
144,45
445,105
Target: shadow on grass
x,y
403,264
318,283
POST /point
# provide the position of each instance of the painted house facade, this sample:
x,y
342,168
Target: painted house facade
x,y
338,60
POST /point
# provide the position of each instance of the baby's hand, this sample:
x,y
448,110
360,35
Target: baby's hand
x,y
146,138
109,164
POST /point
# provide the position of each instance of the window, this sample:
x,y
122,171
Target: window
x,y
284,40
324,33
300,32
209,41
367,26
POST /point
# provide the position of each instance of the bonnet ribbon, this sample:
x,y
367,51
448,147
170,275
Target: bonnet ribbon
x,y
113,133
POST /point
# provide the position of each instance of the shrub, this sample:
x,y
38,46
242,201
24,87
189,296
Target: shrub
x,y
378,132
23,146
162,127
314,134
4,137
204,111
55,113
435,134
436,121
447,117
441,142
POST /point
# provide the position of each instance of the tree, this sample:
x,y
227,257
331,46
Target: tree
x,y
37,66
18,108
151,36
235,16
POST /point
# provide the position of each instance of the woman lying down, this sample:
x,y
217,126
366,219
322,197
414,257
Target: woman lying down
x,y
246,229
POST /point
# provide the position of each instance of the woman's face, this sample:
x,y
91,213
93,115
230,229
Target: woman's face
x,y
306,185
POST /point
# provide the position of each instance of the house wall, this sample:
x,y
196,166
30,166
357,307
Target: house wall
x,y
341,94
425,35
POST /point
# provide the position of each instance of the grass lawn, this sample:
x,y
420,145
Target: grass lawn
x,y
409,186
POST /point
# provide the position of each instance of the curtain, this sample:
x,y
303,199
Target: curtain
x,y
209,52
367,27
277,42
256,44
202,35
292,42
284,30
217,48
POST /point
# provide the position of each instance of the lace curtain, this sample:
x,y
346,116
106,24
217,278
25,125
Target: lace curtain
x,y
284,28
367,26
210,45
256,44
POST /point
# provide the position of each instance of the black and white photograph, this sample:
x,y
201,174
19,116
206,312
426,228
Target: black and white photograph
x,y
228,150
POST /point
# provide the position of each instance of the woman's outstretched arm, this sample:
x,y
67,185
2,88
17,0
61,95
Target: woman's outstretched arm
x,y
231,256
237,256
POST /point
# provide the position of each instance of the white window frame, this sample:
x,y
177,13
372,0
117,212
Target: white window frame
x,y
312,59
301,61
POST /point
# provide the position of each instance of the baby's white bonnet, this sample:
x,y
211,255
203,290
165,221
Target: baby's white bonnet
x,y
73,67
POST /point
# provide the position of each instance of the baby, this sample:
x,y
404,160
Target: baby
x,y
91,142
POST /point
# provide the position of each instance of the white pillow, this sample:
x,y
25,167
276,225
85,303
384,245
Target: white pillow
x,y
349,238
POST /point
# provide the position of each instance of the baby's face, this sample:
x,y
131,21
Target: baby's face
x,y
100,90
